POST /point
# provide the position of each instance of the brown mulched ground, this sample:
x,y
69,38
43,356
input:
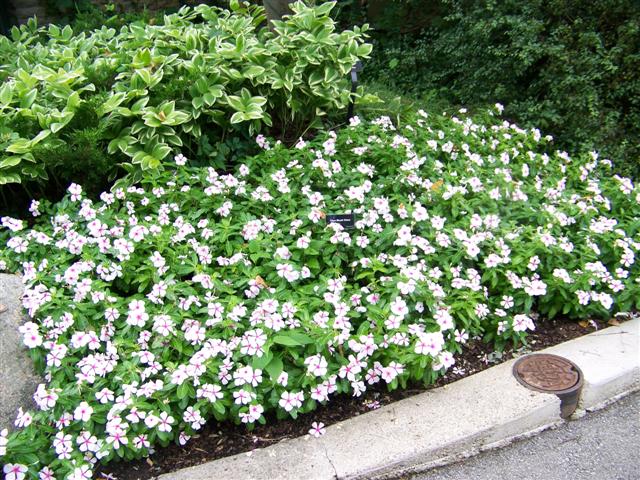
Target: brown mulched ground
x,y
217,440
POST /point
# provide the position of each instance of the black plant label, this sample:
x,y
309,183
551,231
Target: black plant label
x,y
347,220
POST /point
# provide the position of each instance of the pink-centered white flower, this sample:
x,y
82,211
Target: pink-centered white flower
x,y
165,422
291,400
399,307
15,471
317,429
429,343
83,412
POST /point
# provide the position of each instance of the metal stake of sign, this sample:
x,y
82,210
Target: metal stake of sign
x,y
354,87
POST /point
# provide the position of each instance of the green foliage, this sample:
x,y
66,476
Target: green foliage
x,y
147,89
85,15
566,66
88,17
199,295
382,99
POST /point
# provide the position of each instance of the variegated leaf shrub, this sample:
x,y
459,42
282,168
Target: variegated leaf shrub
x,y
202,75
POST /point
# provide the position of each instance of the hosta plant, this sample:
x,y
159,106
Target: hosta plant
x,y
200,295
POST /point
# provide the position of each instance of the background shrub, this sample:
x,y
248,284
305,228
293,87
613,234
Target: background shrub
x,y
569,67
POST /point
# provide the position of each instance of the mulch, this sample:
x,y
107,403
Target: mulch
x,y
217,440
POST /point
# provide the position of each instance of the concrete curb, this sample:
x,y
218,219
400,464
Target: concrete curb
x,y
609,360
486,410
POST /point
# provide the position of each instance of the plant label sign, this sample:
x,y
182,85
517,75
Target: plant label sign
x,y
347,220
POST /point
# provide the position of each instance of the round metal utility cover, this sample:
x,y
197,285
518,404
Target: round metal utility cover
x,y
547,373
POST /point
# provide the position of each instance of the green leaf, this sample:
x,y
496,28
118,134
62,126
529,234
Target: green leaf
x,y
315,78
183,391
6,94
73,101
238,117
324,9
57,126
144,75
27,100
67,33
150,163
197,102
364,50
161,151
9,178
112,103
253,71
41,136
177,118
292,338
235,102
173,140
259,101
202,85
274,368
263,361
22,145
209,99
10,162
140,105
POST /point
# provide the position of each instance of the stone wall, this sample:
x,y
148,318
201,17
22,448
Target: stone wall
x,y
18,382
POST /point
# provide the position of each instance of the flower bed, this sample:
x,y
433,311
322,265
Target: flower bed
x,y
199,294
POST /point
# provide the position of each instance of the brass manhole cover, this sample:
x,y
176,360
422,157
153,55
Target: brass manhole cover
x,y
548,373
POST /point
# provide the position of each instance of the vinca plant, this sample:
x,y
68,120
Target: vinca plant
x,y
197,295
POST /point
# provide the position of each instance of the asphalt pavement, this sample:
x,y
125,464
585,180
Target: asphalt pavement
x,y
603,445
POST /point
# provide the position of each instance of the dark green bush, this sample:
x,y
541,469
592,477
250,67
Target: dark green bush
x,y
84,15
569,67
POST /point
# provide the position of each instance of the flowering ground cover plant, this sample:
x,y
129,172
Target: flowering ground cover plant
x,y
197,294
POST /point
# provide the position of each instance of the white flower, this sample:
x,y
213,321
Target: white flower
x,y
23,419
14,471
12,224
316,365
317,429
83,472
399,307
83,412
429,343
291,400
165,422
535,288
522,323
3,441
